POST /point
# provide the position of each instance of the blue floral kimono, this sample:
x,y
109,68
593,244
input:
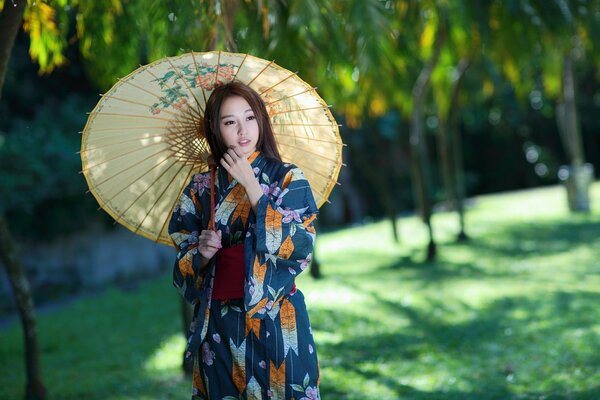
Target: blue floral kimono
x,y
261,346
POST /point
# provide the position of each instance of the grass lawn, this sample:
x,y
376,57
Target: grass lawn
x,y
512,314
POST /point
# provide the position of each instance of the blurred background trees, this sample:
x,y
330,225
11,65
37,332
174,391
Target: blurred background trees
x,y
439,100
504,110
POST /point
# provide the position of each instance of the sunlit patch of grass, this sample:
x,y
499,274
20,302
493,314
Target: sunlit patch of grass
x,y
167,357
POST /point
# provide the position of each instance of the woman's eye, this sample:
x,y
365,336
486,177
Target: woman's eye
x,y
251,117
228,122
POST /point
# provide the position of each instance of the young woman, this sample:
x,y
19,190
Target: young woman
x,y
250,337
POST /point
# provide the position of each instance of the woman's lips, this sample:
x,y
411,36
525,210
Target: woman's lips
x,y
244,142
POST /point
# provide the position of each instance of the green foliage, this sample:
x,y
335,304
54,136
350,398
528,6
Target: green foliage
x,y
41,190
377,156
46,23
363,55
511,315
530,39
36,156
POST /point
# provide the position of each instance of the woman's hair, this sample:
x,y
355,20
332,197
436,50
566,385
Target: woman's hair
x,y
266,139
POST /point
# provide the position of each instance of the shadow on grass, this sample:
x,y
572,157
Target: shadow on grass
x,y
438,272
535,238
514,241
513,348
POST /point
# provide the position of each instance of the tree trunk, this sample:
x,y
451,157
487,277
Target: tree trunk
x,y
420,159
445,161
381,188
11,18
459,174
10,22
225,18
567,116
34,387
229,12
393,217
456,151
450,152
577,176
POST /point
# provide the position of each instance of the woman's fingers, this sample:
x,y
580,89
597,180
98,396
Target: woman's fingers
x,y
230,158
207,233
210,238
211,243
237,165
227,158
234,151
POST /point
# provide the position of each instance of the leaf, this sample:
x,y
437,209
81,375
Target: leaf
x,y
258,273
287,248
297,388
306,380
237,235
308,221
179,237
186,204
265,178
272,259
47,41
260,306
274,311
229,205
242,210
271,291
185,265
288,178
224,310
292,229
278,292
238,371
273,229
252,325
253,391
277,380
287,315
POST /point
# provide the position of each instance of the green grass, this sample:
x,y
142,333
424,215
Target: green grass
x,y
512,314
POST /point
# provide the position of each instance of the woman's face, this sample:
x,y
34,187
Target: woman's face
x,y
238,125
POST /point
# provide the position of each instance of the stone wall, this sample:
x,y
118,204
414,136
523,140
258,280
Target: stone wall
x,y
88,261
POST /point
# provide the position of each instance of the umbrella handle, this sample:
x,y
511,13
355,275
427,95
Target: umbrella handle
x,y
211,223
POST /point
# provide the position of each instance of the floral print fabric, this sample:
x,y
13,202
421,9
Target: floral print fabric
x,y
261,346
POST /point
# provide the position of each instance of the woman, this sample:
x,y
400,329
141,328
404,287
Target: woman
x,y
250,337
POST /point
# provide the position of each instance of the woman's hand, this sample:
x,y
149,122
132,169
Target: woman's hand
x,y
209,243
238,166
236,163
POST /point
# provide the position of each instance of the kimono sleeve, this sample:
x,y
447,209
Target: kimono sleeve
x,y
285,236
184,228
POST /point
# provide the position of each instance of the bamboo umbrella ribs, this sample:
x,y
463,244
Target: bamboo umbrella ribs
x,y
144,139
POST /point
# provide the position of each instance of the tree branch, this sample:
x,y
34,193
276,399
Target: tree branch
x,y
10,22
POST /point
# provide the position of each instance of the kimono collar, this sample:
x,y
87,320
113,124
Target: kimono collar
x,y
254,157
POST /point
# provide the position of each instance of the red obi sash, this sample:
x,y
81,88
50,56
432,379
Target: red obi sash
x,y
229,274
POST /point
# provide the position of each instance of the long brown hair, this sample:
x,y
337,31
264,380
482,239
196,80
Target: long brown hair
x,y
266,139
